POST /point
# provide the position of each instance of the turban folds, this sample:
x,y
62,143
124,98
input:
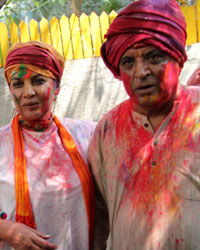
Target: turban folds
x,y
37,56
157,23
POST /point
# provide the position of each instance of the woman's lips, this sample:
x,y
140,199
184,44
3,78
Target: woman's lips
x,y
31,105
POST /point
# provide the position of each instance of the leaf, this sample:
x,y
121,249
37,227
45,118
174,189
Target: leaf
x,y
62,2
36,3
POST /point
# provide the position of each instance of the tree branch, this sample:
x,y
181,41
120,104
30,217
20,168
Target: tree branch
x,y
2,2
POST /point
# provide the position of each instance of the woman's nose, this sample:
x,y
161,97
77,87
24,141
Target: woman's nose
x,y
28,90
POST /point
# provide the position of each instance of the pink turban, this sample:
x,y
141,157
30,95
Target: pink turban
x,y
37,56
158,23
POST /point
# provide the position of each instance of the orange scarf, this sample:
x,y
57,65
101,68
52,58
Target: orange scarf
x,y
24,213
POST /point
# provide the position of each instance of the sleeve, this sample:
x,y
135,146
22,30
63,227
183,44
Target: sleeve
x,y
96,162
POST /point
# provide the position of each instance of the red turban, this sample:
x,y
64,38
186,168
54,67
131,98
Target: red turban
x,y
158,23
37,56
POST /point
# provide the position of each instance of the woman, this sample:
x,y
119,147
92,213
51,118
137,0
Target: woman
x,y
45,185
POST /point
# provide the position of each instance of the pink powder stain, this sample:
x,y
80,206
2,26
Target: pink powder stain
x,y
47,156
150,189
127,83
28,74
177,242
48,100
168,76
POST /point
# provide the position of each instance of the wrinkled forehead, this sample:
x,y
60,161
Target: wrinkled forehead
x,y
141,50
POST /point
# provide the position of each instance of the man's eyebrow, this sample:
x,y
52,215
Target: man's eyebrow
x,y
154,52
124,57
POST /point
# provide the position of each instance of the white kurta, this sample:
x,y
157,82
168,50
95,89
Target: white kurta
x,y
55,189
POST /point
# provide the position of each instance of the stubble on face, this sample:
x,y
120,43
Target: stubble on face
x,y
164,79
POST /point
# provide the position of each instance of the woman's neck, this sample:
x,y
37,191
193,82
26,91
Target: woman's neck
x,y
36,125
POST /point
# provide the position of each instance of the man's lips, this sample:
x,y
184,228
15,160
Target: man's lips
x,y
145,89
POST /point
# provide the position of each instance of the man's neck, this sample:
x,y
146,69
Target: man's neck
x,y
156,116
156,121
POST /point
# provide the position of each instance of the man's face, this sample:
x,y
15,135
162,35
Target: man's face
x,y
150,77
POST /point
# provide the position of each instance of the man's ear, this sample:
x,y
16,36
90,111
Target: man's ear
x,y
118,77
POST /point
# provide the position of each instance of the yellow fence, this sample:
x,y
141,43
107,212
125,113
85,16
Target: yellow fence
x,y
75,37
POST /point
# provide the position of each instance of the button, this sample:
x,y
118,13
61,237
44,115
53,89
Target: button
x,y
155,143
153,163
146,125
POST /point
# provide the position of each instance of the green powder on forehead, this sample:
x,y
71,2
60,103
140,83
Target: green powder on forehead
x,y
22,70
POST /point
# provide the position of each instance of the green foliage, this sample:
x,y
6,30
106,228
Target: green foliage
x,y
17,10
102,5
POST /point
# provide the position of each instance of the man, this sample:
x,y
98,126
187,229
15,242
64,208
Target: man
x,y
194,79
145,154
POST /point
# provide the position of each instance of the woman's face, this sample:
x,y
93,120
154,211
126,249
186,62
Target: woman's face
x,y
33,94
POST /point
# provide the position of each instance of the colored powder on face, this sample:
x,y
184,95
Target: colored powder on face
x,y
22,71
150,98
48,100
169,78
50,94
16,99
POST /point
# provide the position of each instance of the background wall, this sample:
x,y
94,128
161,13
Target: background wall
x,y
88,89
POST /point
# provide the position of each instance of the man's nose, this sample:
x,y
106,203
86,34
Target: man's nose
x,y
141,69
28,90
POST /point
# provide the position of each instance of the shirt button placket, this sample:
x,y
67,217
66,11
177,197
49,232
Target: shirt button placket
x,y
155,143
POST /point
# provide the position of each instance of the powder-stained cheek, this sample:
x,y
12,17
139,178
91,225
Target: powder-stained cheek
x,y
168,76
15,99
168,79
127,83
48,99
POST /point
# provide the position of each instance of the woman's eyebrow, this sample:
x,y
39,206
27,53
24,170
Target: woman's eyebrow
x,y
15,78
37,75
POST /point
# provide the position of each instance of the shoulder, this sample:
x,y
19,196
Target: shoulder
x,y
110,119
192,93
80,128
191,90
5,130
6,137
